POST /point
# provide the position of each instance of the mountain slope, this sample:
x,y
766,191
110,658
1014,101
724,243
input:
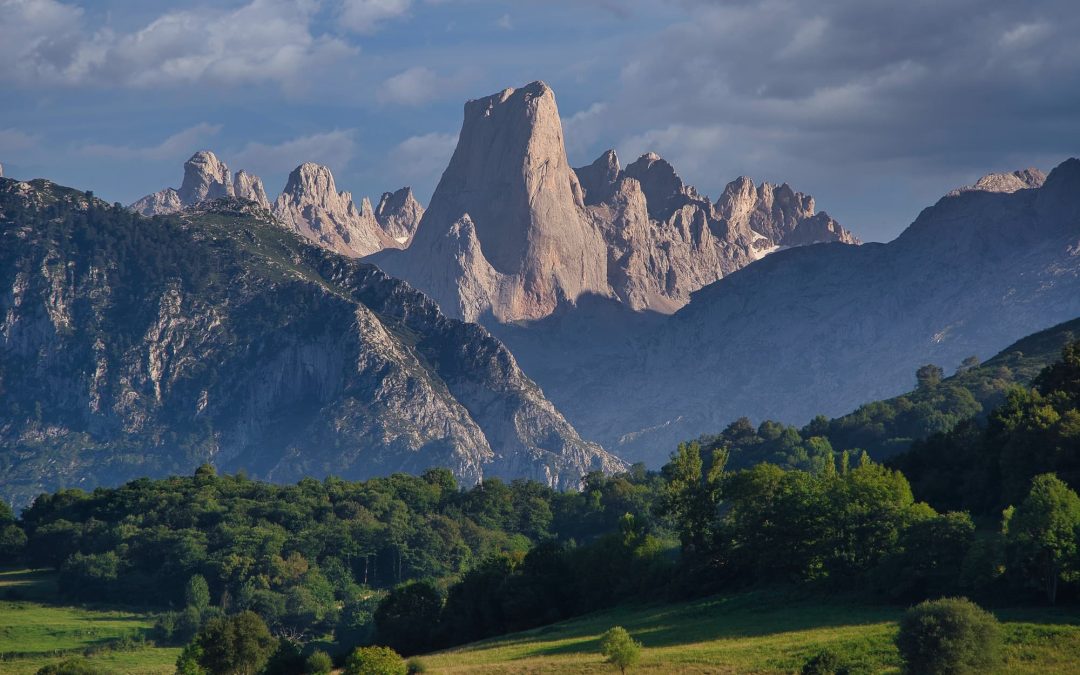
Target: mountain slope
x,y
820,329
131,346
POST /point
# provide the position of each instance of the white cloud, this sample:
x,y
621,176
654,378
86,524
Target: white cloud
x,y
16,142
332,148
414,86
505,22
175,147
261,42
419,159
584,128
365,16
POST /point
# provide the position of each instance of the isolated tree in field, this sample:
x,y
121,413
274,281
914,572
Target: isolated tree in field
x,y
235,645
375,661
197,593
950,636
1042,532
621,650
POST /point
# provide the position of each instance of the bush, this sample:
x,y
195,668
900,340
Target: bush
x,y
76,666
949,636
415,666
621,650
375,661
825,662
318,663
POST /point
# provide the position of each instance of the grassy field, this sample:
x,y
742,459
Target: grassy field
x,y
751,633
35,632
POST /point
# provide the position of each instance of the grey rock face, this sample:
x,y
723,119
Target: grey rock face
x,y
250,187
1023,179
512,233
821,329
510,191
304,363
206,178
312,206
399,214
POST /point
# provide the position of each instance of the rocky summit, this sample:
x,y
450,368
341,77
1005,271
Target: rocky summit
x,y
131,346
513,233
310,204
975,272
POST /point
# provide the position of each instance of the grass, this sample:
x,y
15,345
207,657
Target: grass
x,y
34,631
750,633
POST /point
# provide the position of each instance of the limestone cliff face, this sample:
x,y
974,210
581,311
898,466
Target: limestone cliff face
x,y
223,341
312,206
1022,179
513,234
509,180
399,214
819,329
250,187
205,178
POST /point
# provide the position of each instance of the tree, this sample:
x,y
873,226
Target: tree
x,y
929,376
620,650
188,661
407,619
237,645
1042,531
319,663
375,661
197,593
950,636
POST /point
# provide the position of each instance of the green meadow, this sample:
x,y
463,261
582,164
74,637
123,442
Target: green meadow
x,y
750,633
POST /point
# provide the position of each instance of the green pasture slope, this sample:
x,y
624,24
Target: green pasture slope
x,y
750,633
36,631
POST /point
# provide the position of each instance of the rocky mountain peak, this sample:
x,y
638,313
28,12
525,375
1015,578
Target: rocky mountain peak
x,y
510,176
660,183
249,186
205,177
777,214
1010,182
312,205
598,179
399,214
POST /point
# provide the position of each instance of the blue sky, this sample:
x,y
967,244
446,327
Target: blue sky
x,y
876,108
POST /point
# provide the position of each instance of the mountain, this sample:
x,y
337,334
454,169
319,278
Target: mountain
x,y
133,346
513,234
310,204
205,178
818,329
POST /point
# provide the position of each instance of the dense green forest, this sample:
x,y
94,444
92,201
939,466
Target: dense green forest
x,y
986,509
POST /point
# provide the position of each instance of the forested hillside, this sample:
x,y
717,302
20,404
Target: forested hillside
x,y
417,563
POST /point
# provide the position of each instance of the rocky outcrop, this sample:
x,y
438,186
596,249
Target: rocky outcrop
x,y
1023,179
399,214
250,187
312,206
777,215
236,345
509,196
513,234
206,178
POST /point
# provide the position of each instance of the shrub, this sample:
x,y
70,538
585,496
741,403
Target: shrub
x,y
950,636
825,662
415,666
375,661
318,663
621,650
76,666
